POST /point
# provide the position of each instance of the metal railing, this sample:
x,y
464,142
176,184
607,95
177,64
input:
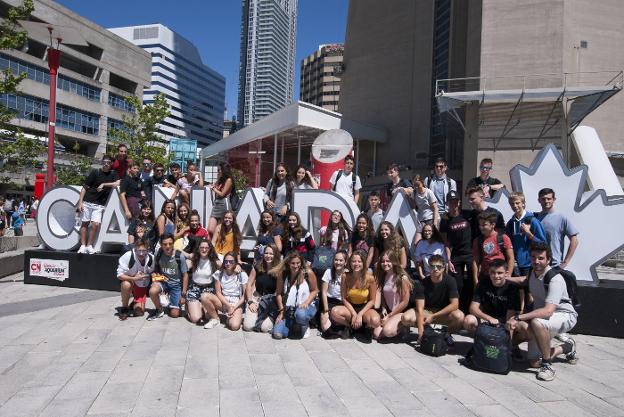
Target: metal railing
x,y
611,79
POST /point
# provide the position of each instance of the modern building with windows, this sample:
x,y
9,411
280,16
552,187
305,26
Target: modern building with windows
x,y
267,58
91,85
447,63
320,77
194,91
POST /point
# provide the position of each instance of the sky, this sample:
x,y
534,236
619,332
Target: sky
x,y
214,27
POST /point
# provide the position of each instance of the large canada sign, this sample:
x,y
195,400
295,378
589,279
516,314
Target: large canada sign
x,y
599,219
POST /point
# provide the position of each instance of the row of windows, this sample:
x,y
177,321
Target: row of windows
x,y
32,108
113,124
119,102
42,75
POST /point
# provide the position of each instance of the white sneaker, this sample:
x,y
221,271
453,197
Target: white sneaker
x,y
212,323
83,249
307,333
91,250
164,300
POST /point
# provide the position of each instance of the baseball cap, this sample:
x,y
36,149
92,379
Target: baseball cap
x,y
452,195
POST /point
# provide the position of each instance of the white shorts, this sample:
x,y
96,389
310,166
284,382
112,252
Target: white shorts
x,y
557,324
92,212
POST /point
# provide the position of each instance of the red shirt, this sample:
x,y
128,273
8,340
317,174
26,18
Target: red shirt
x,y
489,251
121,167
200,232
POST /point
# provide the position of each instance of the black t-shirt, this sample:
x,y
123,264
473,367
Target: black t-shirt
x,y
358,242
265,283
172,180
473,218
93,181
131,186
149,183
478,182
459,237
495,301
403,183
436,295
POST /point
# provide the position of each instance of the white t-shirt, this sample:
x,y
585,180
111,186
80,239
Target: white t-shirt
x,y
345,183
333,288
203,273
123,268
424,203
297,296
231,285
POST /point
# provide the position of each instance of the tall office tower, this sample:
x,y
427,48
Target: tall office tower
x,y
267,57
320,76
194,91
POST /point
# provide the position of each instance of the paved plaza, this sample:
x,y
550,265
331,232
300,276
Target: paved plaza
x,y
63,353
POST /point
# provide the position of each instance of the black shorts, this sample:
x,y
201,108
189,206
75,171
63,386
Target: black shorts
x,y
358,307
333,302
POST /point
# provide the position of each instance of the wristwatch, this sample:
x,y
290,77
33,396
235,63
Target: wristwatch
x,y
250,302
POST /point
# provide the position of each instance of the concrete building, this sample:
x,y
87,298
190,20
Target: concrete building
x,y
481,46
267,58
194,91
320,77
92,82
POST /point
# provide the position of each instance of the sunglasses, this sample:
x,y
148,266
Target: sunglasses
x,y
482,168
437,267
440,166
228,261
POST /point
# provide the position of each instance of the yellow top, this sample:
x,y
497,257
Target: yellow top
x,y
227,246
357,295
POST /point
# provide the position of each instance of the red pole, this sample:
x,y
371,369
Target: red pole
x,y
54,57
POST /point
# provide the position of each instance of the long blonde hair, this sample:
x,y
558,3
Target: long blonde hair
x,y
399,273
284,266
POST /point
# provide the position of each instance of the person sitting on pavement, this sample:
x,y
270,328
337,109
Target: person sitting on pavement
x,y
230,285
261,309
295,295
436,301
170,277
395,288
200,297
553,315
134,270
358,292
330,291
495,300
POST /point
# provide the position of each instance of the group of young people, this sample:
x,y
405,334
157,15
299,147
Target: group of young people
x,y
463,268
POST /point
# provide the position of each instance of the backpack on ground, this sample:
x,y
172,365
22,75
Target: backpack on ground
x,y
433,341
340,174
491,350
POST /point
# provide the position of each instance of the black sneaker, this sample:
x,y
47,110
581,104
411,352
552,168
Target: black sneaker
x,y
156,315
449,341
345,333
123,314
571,357
364,336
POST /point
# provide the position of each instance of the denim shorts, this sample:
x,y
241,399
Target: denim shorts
x,y
174,291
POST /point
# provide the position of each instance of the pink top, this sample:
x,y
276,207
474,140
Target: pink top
x,y
391,297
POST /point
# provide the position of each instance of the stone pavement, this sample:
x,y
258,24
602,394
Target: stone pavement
x,y
63,353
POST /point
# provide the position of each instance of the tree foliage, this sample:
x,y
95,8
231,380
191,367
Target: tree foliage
x,y
139,130
19,151
75,173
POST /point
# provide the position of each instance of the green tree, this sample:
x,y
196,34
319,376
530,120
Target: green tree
x,y
139,130
19,152
74,173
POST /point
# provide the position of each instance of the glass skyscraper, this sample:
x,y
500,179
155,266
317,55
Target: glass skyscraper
x,y
267,57
194,91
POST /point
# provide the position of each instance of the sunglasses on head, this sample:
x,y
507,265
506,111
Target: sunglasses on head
x,y
437,267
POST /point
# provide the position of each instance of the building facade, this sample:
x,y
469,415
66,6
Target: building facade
x,y
433,40
92,82
320,77
267,57
194,91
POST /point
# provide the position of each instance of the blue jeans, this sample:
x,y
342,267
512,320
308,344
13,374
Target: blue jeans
x,y
302,317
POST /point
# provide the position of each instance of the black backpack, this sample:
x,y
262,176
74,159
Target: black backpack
x,y
491,350
570,281
150,259
433,341
235,200
340,173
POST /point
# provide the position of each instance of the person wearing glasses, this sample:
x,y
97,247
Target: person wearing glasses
x,y
441,185
158,179
93,197
134,271
490,185
146,172
436,301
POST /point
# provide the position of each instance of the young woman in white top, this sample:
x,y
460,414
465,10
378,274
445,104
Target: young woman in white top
x,y
201,296
395,285
431,244
304,179
230,291
295,296
330,288
426,204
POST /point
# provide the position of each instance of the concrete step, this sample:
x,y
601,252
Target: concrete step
x,y
12,261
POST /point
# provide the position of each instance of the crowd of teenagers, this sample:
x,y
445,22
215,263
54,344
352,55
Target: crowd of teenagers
x,y
464,267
